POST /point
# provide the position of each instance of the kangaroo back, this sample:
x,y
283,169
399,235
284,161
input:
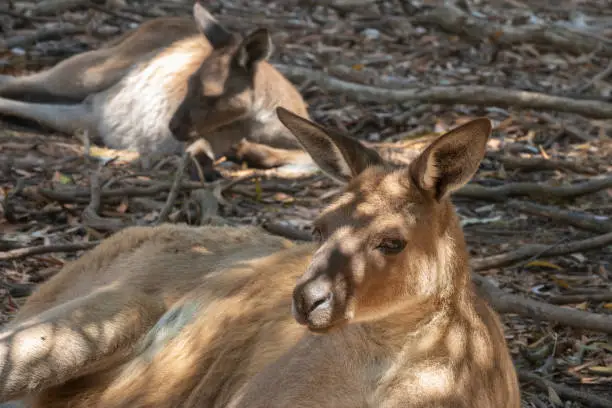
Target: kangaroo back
x,y
84,74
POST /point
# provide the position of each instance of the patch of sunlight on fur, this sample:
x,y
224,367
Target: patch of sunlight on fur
x,y
435,381
31,343
456,342
288,244
482,355
92,330
434,271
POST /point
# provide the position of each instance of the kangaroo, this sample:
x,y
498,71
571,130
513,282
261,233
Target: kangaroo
x,y
379,311
137,90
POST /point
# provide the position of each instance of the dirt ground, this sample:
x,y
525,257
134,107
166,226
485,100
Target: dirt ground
x,y
405,71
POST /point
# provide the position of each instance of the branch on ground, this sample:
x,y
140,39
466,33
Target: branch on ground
x,y
19,253
534,190
504,302
454,20
90,214
538,164
529,251
564,391
41,35
574,218
478,95
174,190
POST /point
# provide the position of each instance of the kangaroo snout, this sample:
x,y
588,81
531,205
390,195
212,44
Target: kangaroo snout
x,y
180,125
313,303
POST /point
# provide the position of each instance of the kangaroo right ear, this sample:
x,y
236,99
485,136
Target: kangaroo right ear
x,y
340,156
208,25
451,160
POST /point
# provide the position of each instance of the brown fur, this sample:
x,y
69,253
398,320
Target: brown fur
x,y
384,314
136,91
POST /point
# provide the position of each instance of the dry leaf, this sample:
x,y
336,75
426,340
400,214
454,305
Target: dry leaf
x,y
582,306
61,178
560,282
543,264
122,208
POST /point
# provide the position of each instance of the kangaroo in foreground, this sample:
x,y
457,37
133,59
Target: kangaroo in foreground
x,y
378,312
169,75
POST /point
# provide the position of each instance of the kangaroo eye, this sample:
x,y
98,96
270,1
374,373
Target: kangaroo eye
x,y
391,246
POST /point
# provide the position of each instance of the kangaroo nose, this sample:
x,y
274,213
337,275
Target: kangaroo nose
x,y
313,303
179,126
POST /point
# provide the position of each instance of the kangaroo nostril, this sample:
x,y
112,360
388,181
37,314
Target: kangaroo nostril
x,y
320,302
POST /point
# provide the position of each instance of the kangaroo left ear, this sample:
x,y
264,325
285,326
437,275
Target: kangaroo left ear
x,y
210,27
255,48
339,156
453,159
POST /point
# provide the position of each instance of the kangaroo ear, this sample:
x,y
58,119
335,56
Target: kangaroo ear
x,y
256,47
210,28
453,159
341,157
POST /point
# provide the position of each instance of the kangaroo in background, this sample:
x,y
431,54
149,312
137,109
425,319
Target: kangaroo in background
x,y
166,76
378,312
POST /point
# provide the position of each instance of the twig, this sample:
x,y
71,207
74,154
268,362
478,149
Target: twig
x,y
454,20
504,302
577,219
174,190
41,35
565,128
587,297
286,231
16,14
45,249
77,194
527,251
463,94
589,400
57,6
90,214
539,163
534,190
599,77
106,10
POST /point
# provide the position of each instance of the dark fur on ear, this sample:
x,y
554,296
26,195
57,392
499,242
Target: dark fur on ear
x,y
340,156
256,47
452,160
210,28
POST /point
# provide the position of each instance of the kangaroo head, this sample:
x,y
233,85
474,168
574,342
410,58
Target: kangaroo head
x,y
222,89
391,241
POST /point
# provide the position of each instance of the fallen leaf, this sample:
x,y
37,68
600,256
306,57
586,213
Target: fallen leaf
x,y
582,306
283,198
122,207
61,178
560,282
579,257
543,264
